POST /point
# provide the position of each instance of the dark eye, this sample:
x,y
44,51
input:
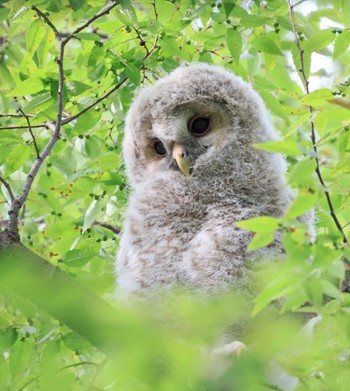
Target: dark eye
x,y
199,126
159,148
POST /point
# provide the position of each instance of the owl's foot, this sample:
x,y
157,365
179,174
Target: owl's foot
x,y
234,348
221,358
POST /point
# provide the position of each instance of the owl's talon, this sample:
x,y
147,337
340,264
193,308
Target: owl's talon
x,y
234,348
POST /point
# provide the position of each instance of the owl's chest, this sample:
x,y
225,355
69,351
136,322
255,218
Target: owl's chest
x,y
176,215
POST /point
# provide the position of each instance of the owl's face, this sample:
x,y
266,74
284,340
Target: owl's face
x,y
187,118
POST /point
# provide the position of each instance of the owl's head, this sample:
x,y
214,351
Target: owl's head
x,y
189,117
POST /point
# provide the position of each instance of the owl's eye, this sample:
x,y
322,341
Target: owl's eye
x,y
199,126
159,148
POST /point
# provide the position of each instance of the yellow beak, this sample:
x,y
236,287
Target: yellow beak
x,y
179,156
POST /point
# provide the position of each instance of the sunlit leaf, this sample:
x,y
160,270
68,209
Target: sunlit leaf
x,y
342,43
266,45
234,43
260,239
320,40
259,224
35,34
317,98
302,203
273,291
286,147
27,87
92,213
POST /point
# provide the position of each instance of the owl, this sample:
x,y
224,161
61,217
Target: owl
x,y
194,173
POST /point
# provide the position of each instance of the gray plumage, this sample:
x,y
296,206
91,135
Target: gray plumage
x,y
181,229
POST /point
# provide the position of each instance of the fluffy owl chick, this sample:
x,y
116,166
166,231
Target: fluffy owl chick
x,y
194,174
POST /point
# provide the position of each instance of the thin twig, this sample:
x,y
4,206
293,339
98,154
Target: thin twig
x,y
313,133
112,228
153,48
31,132
47,20
91,20
15,115
78,364
106,95
73,117
8,188
30,381
155,9
16,127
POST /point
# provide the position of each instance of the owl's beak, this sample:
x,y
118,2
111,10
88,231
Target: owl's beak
x,y
180,157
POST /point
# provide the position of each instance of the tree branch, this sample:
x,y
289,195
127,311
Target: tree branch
x,y
18,202
112,228
47,20
16,127
8,188
15,115
313,133
31,132
91,20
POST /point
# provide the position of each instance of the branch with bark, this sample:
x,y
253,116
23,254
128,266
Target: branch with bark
x,y
12,234
312,126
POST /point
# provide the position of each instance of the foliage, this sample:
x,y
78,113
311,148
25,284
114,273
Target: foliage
x,y
82,184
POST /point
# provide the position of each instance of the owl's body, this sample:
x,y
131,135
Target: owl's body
x,y
180,226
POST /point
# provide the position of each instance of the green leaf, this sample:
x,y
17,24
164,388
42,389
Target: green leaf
x,y
254,20
78,258
302,171
336,269
234,43
77,4
260,239
7,338
228,7
17,158
272,292
343,141
302,203
317,98
86,121
92,147
35,34
266,45
75,341
330,290
346,12
38,103
286,147
341,44
46,44
171,46
16,5
259,224
274,105
92,213
133,73
320,40
28,87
